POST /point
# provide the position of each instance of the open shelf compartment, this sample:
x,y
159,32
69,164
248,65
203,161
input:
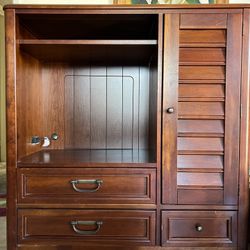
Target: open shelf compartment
x,y
97,92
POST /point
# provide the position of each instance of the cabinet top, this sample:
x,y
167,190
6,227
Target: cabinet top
x,y
127,7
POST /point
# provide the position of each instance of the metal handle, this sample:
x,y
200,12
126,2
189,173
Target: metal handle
x,y
75,182
198,228
170,110
86,223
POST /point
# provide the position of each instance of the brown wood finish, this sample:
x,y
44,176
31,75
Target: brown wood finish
x,y
90,94
29,87
202,72
199,56
170,81
103,77
215,8
243,231
53,186
204,128
199,179
199,196
210,21
105,127
204,116
207,162
73,247
199,110
89,158
12,127
217,228
156,82
118,227
232,108
89,51
203,37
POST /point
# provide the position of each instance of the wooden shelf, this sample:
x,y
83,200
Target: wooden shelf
x,y
90,51
90,158
85,42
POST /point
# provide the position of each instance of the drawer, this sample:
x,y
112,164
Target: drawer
x,y
86,186
93,227
198,228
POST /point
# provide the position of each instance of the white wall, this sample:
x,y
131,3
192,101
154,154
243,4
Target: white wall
x,y
239,1
63,1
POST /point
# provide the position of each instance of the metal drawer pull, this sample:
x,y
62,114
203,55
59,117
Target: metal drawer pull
x,y
75,182
198,228
86,223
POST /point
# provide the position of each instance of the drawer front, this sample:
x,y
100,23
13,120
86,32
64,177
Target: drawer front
x,y
95,227
196,228
84,186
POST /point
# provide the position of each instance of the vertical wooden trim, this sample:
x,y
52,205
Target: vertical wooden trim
x,y
232,109
11,128
170,99
2,91
244,135
159,116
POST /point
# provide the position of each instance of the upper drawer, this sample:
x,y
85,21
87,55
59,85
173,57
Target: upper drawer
x,y
91,227
85,185
192,228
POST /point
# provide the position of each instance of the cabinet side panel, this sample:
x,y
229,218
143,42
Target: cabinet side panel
x,y
244,136
29,102
11,127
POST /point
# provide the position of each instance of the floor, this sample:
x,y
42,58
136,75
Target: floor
x,y
2,206
2,233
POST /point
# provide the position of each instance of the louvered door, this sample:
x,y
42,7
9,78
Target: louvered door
x,y
201,108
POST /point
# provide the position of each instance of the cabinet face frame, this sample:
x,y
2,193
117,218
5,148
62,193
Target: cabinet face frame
x,y
11,105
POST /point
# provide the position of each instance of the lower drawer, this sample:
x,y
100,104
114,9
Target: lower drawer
x,y
93,227
198,228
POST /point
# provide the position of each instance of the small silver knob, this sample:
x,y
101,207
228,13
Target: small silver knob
x,y
198,228
54,136
170,110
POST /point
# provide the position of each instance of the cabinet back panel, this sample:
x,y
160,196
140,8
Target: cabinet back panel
x,y
108,108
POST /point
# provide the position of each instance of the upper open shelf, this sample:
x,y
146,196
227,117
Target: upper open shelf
x,y
89,38
90,26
